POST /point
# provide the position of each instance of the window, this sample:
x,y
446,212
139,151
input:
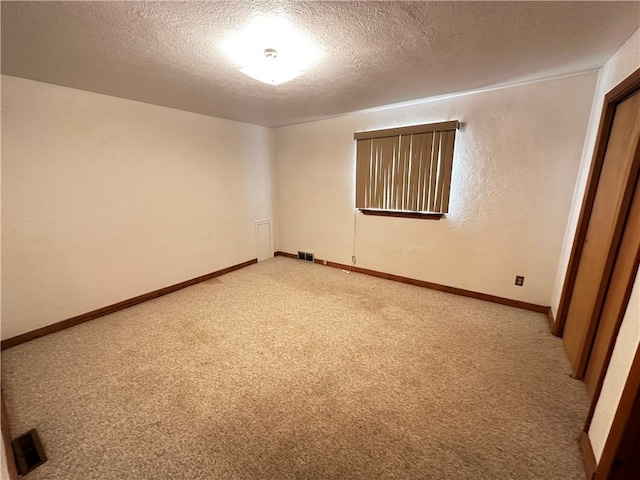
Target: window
x,y
405,171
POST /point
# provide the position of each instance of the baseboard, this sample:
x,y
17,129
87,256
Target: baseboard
x,y
6,438
433,286
285,254
85,317
588,458
550,319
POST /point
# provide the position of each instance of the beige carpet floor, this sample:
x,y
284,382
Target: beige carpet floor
x,y
289,370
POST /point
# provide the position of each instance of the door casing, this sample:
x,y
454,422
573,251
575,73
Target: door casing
x,y
620,443
624,90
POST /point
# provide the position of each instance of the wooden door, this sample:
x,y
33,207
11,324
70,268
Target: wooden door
x,y
617,297
607,218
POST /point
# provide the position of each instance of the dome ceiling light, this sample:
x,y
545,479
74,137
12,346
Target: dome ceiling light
x,y
270,70
271,50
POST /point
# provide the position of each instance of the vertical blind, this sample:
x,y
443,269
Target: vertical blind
x,y
405,168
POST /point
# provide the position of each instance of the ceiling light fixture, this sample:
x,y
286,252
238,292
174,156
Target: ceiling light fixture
x,y
289,52
270,70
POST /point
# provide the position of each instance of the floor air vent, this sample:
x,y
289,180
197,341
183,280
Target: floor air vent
x,y
28,452
305,256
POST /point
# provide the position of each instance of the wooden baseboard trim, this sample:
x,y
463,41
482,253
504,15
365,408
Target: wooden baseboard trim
x,y
551,320
433,286
6,438
85,317
588,458
284,254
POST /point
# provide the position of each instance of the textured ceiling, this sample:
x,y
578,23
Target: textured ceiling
x,y
374,53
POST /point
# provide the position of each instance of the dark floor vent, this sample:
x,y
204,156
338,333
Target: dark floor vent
x,y
305,256
28,452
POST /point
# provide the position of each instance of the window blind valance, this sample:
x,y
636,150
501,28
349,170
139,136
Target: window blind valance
x,y
425,128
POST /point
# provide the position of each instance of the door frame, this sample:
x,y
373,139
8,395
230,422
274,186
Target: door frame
x,y
625,89
611,100
619,439
617,95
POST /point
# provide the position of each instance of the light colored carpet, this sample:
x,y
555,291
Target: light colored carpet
x,y
289,370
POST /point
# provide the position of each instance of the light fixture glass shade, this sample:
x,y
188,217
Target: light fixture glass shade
x,y
248,47
271,72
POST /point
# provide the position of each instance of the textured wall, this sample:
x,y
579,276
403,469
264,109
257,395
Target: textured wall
x,y
514,171
104,199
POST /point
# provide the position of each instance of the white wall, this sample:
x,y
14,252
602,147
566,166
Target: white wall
x,y
104,199
621,65
515,166
627,343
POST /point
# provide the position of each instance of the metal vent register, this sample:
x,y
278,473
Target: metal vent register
x,y
28,452
306,256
